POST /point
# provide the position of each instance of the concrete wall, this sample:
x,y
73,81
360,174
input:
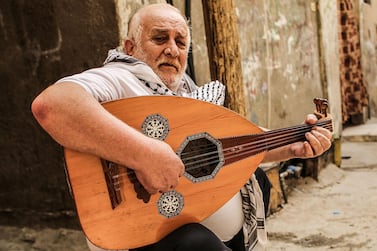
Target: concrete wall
x,y
368,30
330,60
280,60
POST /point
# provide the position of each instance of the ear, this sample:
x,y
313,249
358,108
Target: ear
x,y
129,46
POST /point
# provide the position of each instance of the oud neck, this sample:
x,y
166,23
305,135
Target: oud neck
x,y
240,147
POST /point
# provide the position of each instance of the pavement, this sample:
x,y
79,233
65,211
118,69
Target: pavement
x,y
358,147
361,133
337,211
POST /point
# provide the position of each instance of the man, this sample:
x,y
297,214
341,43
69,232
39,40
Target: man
x,y
70,111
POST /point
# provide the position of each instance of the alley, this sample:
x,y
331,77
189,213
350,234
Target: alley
x,y
338,211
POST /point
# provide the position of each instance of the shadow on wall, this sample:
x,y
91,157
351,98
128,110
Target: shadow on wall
x,y
42,41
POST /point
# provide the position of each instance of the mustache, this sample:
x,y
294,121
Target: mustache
x,y
169,63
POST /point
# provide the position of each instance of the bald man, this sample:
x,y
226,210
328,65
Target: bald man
x,y
153,62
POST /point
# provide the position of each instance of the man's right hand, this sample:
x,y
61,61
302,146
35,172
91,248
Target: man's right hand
x,y
77,121
159,168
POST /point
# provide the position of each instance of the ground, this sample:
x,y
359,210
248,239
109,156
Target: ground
x,y
336,213
29,239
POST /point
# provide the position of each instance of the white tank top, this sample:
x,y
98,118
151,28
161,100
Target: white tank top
x,y
228,220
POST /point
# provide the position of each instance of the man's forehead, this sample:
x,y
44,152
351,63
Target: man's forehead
x,y
156,29
164,21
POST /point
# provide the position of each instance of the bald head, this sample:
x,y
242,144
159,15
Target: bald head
x,y
135,24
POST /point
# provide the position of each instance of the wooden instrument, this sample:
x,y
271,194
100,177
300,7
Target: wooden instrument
x,y
220,150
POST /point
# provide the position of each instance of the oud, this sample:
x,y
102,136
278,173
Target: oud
x,y
220,151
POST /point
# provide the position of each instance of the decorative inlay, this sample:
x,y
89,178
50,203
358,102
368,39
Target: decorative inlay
x,y
170,204
155,126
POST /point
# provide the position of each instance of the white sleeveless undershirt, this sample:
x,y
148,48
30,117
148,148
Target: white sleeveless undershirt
x,y
228,220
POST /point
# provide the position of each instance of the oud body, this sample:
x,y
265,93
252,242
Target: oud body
x,y
220,150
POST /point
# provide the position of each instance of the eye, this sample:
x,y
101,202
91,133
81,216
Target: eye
x,y
159,39
181,43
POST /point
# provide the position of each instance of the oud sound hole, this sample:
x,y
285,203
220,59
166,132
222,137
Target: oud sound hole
x,y
202,157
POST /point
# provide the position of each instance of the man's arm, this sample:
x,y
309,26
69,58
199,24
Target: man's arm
x,y
77,121
317,142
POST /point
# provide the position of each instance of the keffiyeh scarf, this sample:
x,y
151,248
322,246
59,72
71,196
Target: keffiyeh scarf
x,y
213,91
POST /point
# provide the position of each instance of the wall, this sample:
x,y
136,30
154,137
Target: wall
x,y
280,60
41,41
353,88
330,59
368,29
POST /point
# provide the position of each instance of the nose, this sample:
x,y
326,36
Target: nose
x,y
171,49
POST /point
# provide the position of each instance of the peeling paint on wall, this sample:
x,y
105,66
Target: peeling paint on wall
x,y
280,59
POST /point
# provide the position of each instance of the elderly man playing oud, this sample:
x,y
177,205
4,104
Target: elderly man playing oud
x,y
153,62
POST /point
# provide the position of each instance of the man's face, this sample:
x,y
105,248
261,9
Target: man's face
x,y
163,45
